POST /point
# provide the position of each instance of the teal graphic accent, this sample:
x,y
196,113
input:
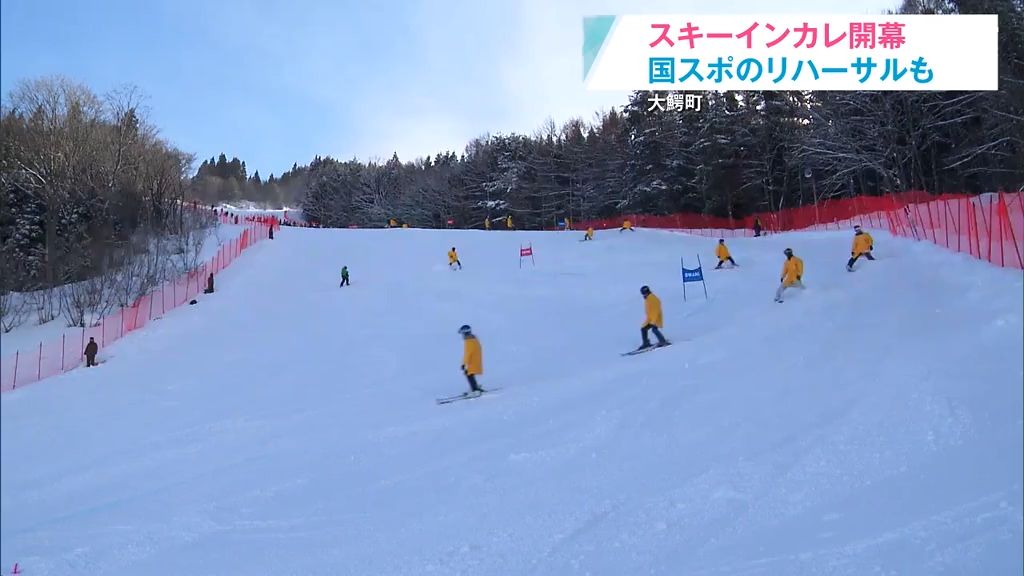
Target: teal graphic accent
x,y
595,32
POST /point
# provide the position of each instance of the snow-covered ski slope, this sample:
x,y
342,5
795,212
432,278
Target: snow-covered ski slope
x,y
871,424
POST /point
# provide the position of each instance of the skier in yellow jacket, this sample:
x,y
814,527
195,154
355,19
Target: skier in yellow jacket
x,y
472,358
589,235
653,319
453,259
863,244
792,274
723,254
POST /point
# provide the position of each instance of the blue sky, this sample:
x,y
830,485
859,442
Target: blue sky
x,y
278,82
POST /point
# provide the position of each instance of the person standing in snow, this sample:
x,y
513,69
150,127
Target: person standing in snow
x,y
91,349
344,277
757,227
723,254
590,234
792,274
627,225
472,358
653,320
863,244
453,259
508,222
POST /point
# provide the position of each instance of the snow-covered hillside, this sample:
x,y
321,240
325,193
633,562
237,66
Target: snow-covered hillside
x,y
27,335
871,424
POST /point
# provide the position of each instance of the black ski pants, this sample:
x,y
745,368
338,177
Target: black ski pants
x,y
729,259
651,328
854,259
472,382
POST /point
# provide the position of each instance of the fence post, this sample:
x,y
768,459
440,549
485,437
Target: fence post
x,y
974,223
39,367
63,352
945,221
14,382
1013,235
103,332
1002,241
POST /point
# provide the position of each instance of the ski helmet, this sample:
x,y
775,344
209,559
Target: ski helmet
x,y
645,290
464,329
721,240
788,251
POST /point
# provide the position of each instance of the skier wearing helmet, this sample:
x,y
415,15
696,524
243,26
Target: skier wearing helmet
x,y
472,358
792,274
863,244
653,320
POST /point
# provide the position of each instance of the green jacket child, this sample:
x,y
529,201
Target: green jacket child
x,y
344,276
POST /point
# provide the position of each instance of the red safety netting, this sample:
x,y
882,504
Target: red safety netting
x,y
67,352
989,227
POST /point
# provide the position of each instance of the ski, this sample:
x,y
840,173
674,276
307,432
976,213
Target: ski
x,y
465,396
648,349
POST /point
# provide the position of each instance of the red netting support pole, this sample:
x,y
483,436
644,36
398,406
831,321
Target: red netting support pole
x,y
14,382
1013,235
988,228
945,216
931,222
959,224
974,224
63,350
1002,235
39,364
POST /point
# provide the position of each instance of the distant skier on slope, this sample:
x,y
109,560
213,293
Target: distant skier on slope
x,y
792,274
627,225
653,320
589,235
723,254
344,277
863,244
91,350
472,358
453,258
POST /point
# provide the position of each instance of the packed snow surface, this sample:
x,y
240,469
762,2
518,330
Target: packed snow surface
x,y
870,424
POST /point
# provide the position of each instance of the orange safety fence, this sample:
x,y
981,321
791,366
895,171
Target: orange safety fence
x,y
66,353
989,227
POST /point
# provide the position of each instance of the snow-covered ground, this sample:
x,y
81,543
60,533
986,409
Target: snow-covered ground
x,y
871,424
31,332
